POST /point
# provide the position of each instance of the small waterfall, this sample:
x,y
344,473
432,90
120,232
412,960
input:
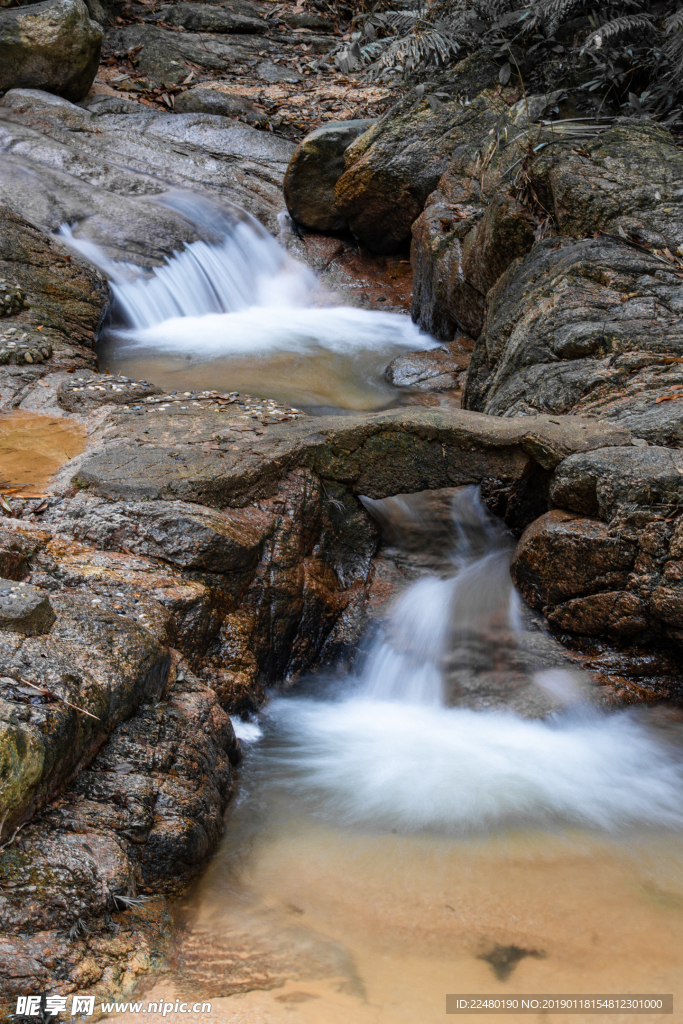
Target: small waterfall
x,y
439,620
237,293
426,736
245,267
405,663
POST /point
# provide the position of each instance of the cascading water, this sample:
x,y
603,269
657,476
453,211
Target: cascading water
x,y
459,640
234,311
388,847
458,808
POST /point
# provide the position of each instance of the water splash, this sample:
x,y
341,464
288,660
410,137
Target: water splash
x,y
383,764
390,753
236,293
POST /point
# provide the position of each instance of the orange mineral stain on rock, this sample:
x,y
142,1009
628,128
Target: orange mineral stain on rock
x,y
32,448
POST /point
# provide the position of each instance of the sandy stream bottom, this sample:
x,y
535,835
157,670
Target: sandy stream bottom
x,y
32,448
389,924
318,378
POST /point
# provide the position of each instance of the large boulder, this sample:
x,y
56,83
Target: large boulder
x,y
603,483
609,562
52,45
91,670
392,168
592,327
482,217
459,250
63,164
627,179
212,18
65,297
315,169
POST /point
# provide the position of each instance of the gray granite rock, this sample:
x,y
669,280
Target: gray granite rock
x,y
52,45
24,609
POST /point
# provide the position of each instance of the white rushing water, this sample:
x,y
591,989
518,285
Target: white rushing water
x,y
237,294
390,754
389,751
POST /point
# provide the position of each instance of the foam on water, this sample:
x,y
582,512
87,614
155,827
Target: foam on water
x,y
391,765
242,294
390,754
271,328
247,732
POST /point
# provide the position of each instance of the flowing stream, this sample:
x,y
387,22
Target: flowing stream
x,y
234,312
456,815
387,848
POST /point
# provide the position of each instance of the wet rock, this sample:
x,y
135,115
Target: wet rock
x,y
313,172
600,483
64,298
365,280
83,394
477,222
622,578
18,542
209,18
211,101
24,609
89,673
164,55
142,815
98,170
184,534
376,454
617,614
443,302
439,369
587,326
249,597
626,179
392,169
563,556
52,45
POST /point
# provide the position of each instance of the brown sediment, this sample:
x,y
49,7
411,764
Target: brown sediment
x,y
32,448
379,928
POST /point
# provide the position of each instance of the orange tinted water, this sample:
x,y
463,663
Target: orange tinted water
x,y
32,448
330,928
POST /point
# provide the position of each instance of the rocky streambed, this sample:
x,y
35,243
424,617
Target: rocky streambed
x,y
206,545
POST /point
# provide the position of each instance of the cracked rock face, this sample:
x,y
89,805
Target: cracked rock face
x,y
313,172
25,610
64,299
592,327
397,163
611,565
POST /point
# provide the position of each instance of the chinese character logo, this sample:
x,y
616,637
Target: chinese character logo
x,y
83,1004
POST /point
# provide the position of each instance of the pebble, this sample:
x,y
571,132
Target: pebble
x,y
19,350
12,298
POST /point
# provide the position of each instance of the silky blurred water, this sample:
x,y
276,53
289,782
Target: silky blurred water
x,y
239,314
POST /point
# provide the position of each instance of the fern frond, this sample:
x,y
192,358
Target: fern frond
x,y
673,50
400,22
674,22
627,23
547,12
